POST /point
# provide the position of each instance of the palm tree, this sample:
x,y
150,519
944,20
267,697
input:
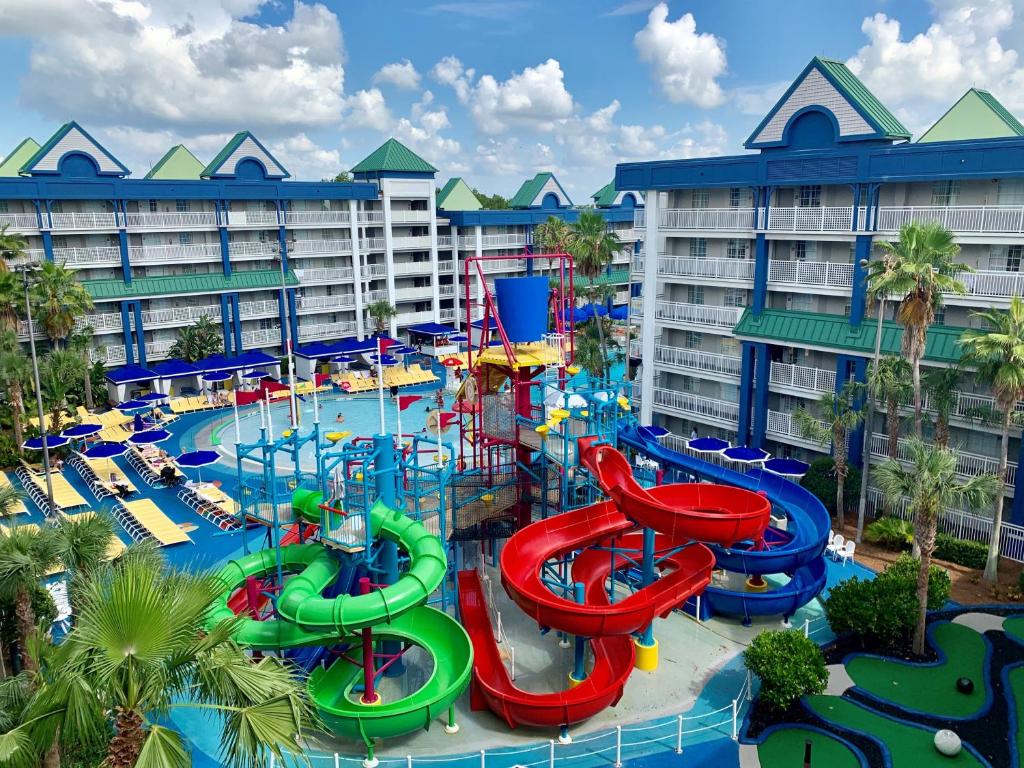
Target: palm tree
x,y
890,382
917,270
80,341
141,649
943,387
82,545
552,236
196,341
381,312
10,498
998,352
840,415
930,483
26,555
592,247
12,300
59,300
12,247
15,377
58,372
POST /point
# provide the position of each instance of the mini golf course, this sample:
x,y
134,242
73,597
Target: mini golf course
x,y
785,746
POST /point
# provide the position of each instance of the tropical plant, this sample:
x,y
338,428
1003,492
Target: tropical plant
x,y
589,353
552,236
839,415
80,341
201,339
59,300
890,532
917,270
592,247
12,300
60,372
998,353
821,481
789,665
943,388
381,312
493,202
140,649
15,379
10,499
930,483
26,556
890,381
82,545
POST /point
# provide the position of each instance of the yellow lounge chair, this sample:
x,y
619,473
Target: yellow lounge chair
x,y
143,519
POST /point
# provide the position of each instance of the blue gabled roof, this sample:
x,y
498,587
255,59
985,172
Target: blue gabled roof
x,y
29,168
432,329
255,357
174,369
217,363
128,374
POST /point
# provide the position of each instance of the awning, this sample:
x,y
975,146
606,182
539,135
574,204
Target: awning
x,y
174,369
432,329
217,363
128,374
254,358
317,350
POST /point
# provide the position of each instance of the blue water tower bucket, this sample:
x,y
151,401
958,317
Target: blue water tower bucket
x,y
523,307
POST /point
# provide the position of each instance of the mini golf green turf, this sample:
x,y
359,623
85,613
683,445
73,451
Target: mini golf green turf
x,y
1016,678
930,688
909,747
784,748
1014,627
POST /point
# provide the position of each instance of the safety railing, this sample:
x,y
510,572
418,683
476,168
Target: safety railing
x,y
741,270
694,360
810,219
818,274
802,377
999,219
705,218
967,464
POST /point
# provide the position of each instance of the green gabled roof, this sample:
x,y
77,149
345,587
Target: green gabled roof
x,y
224,153
834,332
976,115
605,196
18,156
860,96
456,195
528,191
168,285
616,277
392,155
177,164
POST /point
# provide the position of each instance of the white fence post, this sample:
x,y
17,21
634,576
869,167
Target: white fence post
x,y
618,746
483,758
735,732
679,735
337,760
750,686
807,628
408,761
551,753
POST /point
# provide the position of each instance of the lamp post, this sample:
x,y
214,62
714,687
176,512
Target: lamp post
x,y
39,392
869,416
287,330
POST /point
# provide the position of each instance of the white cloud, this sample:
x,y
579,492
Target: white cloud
x,y
401,74
421,132
514,158
685,63
967,44
631,7
756,100
305,159
368,109
192,66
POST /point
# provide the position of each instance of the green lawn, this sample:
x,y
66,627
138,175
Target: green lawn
x,y
930,688
1016,678
784,748
1014,627
908,747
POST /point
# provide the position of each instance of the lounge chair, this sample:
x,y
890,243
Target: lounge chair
x,y
143,520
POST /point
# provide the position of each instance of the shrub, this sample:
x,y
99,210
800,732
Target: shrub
x,y
890,532
789,666
905,571
971,554
821,481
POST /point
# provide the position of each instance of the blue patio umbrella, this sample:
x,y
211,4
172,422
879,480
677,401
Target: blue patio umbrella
x,y
216,376
149,437
152,398
384,360
342,359
52,441
197,460
459,339
787,467
81,430
741,454
105,450
403,350
708,445
653,432
134,405
255,375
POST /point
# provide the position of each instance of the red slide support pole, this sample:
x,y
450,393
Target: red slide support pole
x,y
370,696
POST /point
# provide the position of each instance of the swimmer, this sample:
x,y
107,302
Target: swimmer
x,y
340,418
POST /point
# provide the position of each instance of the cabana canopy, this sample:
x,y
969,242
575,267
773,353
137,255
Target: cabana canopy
x,y
218,363
253,358
175,369
432,329
128,374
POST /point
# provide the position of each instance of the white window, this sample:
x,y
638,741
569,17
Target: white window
x,y
940,316
695,294
805,250
181,206
800,302
184,238
735,297
153,206
698,248
262,235
729,346
809,196
945,192
3,206
701,198
1011,192
735,197
730,392
736,249
693,339
1005,257
689,384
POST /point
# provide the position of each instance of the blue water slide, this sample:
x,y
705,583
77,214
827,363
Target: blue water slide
x,y
797,552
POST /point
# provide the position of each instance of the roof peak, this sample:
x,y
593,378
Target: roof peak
x,y
393,156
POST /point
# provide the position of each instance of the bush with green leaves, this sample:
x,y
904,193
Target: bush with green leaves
x,y
821,481
883,610
971,554
789,666
891,533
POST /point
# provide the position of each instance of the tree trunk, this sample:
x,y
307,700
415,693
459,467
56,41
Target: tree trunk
x,y
25,619
89,405
892,426
52,757
925,535
839,458
992,561
18,409
917,393
941,431
129,736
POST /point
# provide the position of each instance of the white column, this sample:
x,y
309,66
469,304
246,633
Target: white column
x,y
455,275
357,268
435,295
389,255
479,232
649,287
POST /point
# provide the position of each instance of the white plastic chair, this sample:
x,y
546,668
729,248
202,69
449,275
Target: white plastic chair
x,y
846,553
837,544
831,536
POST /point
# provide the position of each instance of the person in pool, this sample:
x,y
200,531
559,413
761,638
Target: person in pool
x,y
340,418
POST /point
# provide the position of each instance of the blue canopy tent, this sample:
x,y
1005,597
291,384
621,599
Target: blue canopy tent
x,y
176,375
120,381
432,338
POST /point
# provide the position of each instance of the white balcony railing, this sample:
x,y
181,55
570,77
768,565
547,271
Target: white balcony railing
x,y
811,273
467,242
158,254
370,217
695,360
254,249
316,218
413,241
324,275
372,244
967,464
326,331
1000,219
178,315
262,337
93,256
253,218
739,270
326,303
158,350
699,314
410,217
316,245
103,322
810,219
992,284
172,220
696,405
802,377
374,271
503,241
444,241
447,314
28,256
445,266
704,218
784,425
412,318
265,308
413,268
19,222
502,265
95,220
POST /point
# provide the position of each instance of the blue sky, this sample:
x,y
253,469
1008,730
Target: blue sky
x,y
491,90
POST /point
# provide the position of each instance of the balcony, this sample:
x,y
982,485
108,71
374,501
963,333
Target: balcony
x,y
163,254
370,217
254,249
627,236
967,464
325,331
811,274
179,315
316,218
513,240
447,314
412,318
172,220
695,360
446,291
310,276
253,219
371,244
731,219
83,221
114,354
834,219
445,266
726,270
263,337
802,378
374,271
502,265
312,304
417,242
413,268
97,256
640,218
317,246
985,285
444,241
784,426
959,219
29,256
699,315
410,217
265,308
19,222
414,293
689,404
103,322
467,242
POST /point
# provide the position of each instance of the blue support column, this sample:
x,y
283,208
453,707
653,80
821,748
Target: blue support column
x,y
284,326
760,273
858,295
529,249
762,364
225,324
386,468
746,392
126,266
126,332
1017,512
293,318
140,334
859,367
236,319
579,670
222,231
43,214
646,645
